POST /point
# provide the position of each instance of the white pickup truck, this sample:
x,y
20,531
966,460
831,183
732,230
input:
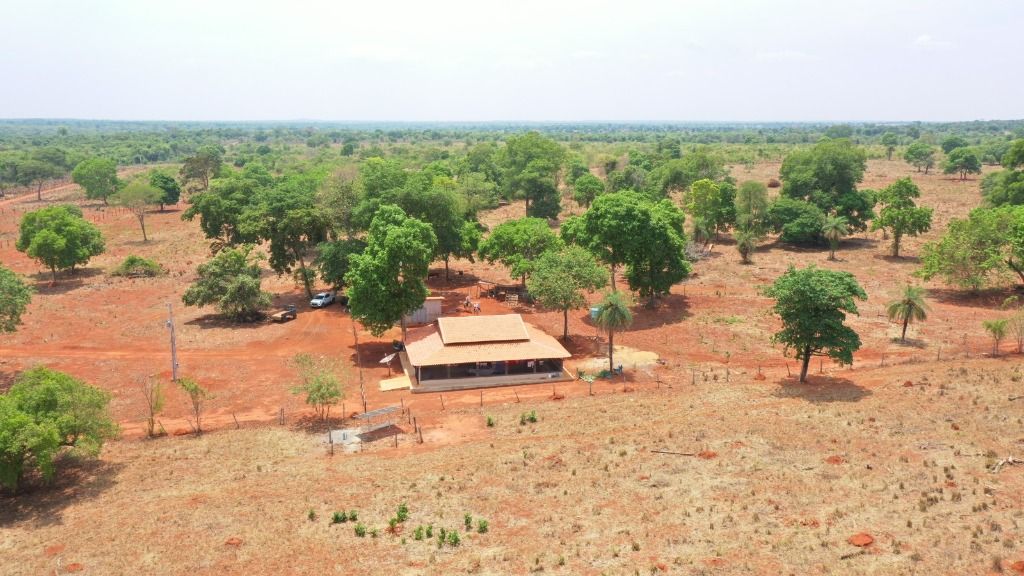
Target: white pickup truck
x,y
322,299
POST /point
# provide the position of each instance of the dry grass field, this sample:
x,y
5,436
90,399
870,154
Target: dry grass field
x,y
777,477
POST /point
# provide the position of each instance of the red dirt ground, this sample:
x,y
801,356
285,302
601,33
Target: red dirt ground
x,y
111,331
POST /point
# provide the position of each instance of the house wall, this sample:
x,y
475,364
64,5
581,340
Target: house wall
x,y
490,381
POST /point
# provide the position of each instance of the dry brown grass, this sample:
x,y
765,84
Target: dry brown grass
x,y
796,470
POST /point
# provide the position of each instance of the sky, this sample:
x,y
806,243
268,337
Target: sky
x,y
480,60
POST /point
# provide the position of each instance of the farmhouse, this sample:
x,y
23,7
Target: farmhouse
x,y
481,351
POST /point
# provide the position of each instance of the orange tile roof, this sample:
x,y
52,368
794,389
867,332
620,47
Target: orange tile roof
x,y
425,346
478,329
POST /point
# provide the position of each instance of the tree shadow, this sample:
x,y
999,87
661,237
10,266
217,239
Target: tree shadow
x,y
208,321
912,260
991,299
66,281
43,504
821,389
669,309
910,343
371,353
456,279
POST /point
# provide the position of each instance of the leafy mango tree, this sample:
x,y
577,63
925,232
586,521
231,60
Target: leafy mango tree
x,y
59,238
15,296
561,277
899,215
813,304
388,279
44,414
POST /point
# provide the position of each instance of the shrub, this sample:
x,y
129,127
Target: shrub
x,y
360,530
430,531
374,533
403,512
482,526
338,518
352,515
418,534
138,267
490,422
798,221
468,520
453,538
311,515
533,416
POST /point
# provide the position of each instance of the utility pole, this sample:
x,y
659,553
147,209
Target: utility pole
x,y
359,362
174,346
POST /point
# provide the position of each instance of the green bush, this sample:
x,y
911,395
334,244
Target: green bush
x,y
453,538
799,222
311,515
418,534
352,515
490,422
338,518
482,526
138,267
403,512
360,530
44,413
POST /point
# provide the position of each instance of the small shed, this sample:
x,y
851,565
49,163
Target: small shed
x,y
426,314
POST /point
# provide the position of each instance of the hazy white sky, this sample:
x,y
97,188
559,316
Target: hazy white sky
x,y
520,60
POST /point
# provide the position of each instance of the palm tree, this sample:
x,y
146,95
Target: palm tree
x,y
612,315
746,243
910,307
834,228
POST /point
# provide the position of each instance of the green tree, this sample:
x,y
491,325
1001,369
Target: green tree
x,y
813,304
220,208
711,203
751,206
1002,188
334,260
15,296
833,230
1014,156
198,169
31,171
25,444
798,221
230,281
827,176
516,244
78,411
560,278
899,215
387,281
530,163
610,228
59,238
890,141
319,381
197,398
658,260
613,315
962,161
97,176
909,307
920,155
137,197
586,188
997,329
287,216
952,142
977,251
168,186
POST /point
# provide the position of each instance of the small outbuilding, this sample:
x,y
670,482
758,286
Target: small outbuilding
x,y
482,351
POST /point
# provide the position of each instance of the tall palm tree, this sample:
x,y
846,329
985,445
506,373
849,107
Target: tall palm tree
x,y
910,307
746,243
613,315
834,228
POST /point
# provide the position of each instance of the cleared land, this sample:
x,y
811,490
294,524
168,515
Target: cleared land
x,y
796,470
